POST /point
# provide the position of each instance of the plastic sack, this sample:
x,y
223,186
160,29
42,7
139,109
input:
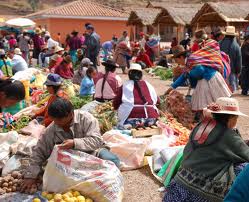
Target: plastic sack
x,y
23,145
6,139
33,129
16,162
98,179
90,106
130,150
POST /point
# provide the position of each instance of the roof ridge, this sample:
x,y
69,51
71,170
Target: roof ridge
x,y
72,3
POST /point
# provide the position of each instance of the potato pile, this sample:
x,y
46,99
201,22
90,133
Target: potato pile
x,y
70,196
11,182
180,108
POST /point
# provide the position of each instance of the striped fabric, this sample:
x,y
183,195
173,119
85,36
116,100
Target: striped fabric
x,y
209,55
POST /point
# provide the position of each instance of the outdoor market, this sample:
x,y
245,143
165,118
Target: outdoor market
x,y
99,104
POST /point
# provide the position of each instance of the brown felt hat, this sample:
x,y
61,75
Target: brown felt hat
x,y
178,51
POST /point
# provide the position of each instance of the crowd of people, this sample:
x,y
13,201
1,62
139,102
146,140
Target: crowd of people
x,y
213,67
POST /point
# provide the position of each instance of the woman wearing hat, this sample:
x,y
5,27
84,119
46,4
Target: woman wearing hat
x,y
65,68
108,84
53,84
212,158
230,46
122,52
38,42
57,58
18,63
136,101
244,77
204,69
81,72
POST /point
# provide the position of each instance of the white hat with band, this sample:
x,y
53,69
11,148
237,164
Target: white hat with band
x,y
225,105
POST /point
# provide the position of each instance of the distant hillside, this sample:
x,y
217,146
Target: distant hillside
x,y
22,7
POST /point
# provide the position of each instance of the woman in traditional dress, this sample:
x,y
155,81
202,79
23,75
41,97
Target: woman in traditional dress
x,y
212,158
136,101
204,69
107,84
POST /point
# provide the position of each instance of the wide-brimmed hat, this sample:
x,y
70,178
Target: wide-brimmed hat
x,y
58,49
178,51
44,47
17,51
67,59
38,30
225,105
86,61
230,31
110,63
53,80
135,66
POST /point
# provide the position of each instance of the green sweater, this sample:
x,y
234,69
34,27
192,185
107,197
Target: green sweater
x,y
208,169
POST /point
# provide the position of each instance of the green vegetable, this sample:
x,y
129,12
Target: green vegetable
x,y
19,124
79,102
163,73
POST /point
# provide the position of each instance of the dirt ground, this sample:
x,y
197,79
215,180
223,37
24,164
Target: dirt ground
x,y
141,185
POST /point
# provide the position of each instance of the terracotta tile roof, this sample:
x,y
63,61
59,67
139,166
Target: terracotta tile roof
x,y
81,8
146,16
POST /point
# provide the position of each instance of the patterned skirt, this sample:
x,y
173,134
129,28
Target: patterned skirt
x,y
176,192
207,92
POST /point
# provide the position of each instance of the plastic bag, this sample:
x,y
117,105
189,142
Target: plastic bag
x,y
90,106
16,162
75,170
6,139
33,129
24,145
130,150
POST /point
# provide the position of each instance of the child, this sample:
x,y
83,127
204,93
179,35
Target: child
x,y
87,84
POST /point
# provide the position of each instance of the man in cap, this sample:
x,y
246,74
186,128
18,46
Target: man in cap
x,y
230,46
92,45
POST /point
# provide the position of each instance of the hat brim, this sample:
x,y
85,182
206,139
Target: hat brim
x,y
108,64
179,54
229,34
51,83
238,113
135,69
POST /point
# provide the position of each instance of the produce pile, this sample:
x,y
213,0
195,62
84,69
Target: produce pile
x,y
70,196
106,116
17,124
162,72
180,108
181,132
79,102
11,182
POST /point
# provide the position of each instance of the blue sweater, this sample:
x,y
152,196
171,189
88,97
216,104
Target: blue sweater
x,y
87,86
239,191
197,73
